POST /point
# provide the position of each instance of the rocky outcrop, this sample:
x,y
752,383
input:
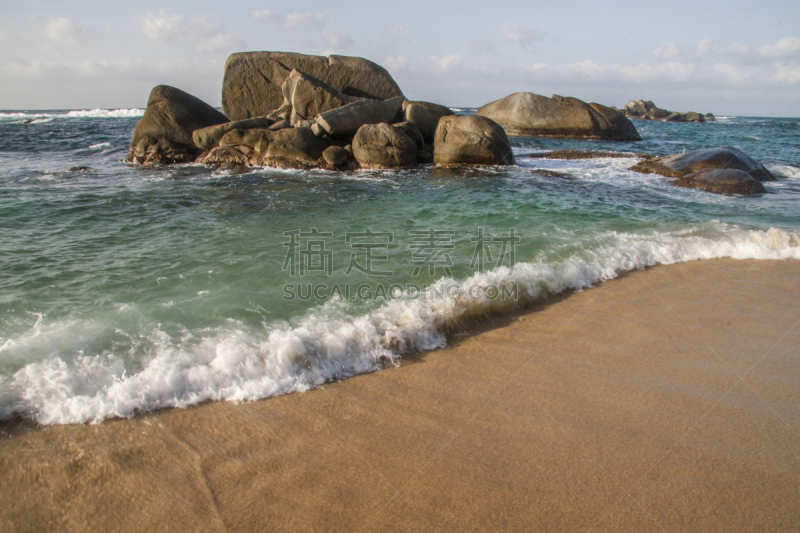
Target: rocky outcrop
x,y
253,81
647,110
383,146
164,133
295,148
693,169
347,119
531,114
471,140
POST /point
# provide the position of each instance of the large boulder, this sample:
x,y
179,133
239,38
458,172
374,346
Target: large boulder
x,y
207,138
382,146
722,181
533,114
685,163
347,120
253,80
471,140
425,116
164,133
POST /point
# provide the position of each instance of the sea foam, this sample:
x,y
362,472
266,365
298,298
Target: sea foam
x,y
239,363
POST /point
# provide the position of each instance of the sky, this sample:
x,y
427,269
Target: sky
x,y
724,57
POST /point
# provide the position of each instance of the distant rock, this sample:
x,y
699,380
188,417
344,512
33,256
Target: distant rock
x,y
383,146
532,114
253,81
471,140
164,133
647,110
693,169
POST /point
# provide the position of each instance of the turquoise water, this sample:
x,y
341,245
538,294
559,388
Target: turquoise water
x,y
126,289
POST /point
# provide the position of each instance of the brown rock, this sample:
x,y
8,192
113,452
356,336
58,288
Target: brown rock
x,y
295,145
722,181
471,140
348,119
682,164
335,156
412,131
207,138
426,117
382,146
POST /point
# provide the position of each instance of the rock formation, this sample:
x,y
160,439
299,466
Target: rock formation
x,y
309,122
164,133
471,140
532,114
647,110
722,170
253,81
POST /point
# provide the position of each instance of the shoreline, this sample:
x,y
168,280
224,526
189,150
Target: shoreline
x,y
665,397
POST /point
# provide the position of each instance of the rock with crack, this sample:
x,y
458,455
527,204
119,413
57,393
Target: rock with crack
x,y
253,80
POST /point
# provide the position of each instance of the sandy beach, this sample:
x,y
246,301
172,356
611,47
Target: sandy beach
x,y
665,400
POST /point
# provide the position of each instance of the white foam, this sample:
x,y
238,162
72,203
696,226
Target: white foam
x,y
99,146
80,113
785,171
238,363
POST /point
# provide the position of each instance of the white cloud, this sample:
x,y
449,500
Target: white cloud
x,y
710,47
157,26
446,63
339,40
785,46
222,42
63,31
292,21
519,33
666,51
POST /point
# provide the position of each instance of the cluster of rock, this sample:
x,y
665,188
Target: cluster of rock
x,y
647,110
724,170
532,114
298,111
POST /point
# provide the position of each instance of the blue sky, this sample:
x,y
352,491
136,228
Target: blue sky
x,y
734,57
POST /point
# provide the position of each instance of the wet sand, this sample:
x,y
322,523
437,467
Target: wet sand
x,y
666,400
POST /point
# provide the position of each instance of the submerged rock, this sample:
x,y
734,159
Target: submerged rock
x,y
253,80
722,181
532,114
164,133
471,140
725,170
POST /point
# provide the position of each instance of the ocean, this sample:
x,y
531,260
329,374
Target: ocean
x,y
128,289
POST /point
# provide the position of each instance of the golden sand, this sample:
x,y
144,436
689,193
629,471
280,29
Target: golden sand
x,y
666,400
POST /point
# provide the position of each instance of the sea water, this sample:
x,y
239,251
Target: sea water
x,y
126,289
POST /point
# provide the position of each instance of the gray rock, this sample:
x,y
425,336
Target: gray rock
x,y
658,114
348,119
412,131
164,133
533,114
682,164
471,140
335,156
207,138
426,117
722,181
382,146
691,116
253,80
